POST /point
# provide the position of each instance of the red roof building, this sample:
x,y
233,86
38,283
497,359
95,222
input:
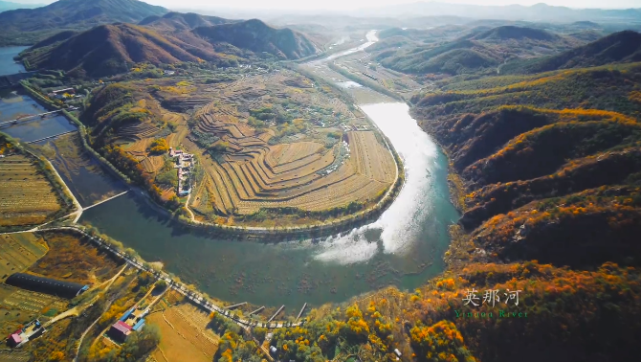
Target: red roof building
x,y
15,340
119,331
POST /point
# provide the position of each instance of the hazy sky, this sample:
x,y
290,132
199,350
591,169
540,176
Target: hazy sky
x,y
354,4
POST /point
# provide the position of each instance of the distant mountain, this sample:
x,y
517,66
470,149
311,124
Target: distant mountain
x,y
182,21
621,47
480,49
258,37
33,25
538,12
5,6
503,33
111,49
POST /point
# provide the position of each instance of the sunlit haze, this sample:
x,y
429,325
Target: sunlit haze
x,y
337,5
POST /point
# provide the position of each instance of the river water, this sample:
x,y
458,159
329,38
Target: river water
x,y
404,247
14,105
9,66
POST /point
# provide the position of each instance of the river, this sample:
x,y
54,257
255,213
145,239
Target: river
x,y
15,104
9,66
404,247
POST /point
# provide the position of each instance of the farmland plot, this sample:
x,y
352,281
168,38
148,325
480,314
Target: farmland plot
x,y
185,335
18,252
26,196
13,356
18,306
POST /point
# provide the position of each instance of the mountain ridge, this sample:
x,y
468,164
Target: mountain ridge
x,y
620,47
29,26
479,50
110,49
538,12
113,48
8,5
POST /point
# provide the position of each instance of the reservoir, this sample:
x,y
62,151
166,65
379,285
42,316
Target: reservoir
x,y
403,247
8,66
15,104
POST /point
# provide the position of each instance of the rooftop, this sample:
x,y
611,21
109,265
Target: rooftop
x,y
15,338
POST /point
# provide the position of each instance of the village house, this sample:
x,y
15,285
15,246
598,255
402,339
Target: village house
x,y
132,321
184,164
60,93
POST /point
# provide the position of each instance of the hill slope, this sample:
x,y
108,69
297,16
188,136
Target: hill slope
x,y
550,162
28,26
258,37
110,49
621,47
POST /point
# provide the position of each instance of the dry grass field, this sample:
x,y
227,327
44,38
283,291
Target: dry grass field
x,y
13,356
18,252
185,336
26,196
74,260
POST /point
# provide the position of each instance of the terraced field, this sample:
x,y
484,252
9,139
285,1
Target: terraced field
x,y
26,196
306,175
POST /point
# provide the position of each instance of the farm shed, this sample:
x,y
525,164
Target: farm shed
x,y
45,285
119,331
127,314
139,325
14,340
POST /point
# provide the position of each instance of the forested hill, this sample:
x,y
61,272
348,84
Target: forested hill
x,y
507,32
258,37
479,50
619,47
28,26
547,168
111,49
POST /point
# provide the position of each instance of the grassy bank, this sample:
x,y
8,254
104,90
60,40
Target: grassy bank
x,y
365,82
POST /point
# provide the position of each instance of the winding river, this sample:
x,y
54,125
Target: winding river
x,y
403,247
